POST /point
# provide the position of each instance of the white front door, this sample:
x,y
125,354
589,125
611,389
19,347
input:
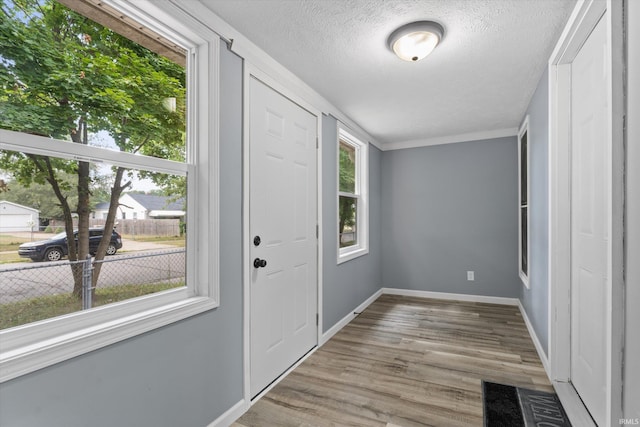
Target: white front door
x,y
283,218
589,222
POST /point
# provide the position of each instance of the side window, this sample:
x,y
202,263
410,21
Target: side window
x,y
523,205
353,209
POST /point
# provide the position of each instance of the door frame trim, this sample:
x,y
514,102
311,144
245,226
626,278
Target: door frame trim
x,y
249,72
582,21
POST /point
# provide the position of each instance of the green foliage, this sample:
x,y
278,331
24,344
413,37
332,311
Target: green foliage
x,y
347,206
38,195
60,70
45,307
66,77
347,170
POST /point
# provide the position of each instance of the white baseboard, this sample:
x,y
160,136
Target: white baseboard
x,y
541,354
413,293
349,317
231,415
447,296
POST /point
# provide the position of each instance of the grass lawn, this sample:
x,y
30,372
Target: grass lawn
x,y
45,307
177,241
11,257
11,243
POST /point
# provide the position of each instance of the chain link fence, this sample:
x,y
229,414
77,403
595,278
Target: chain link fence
x,y
35,292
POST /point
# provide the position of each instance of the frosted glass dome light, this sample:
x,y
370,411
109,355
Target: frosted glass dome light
x,y
414,41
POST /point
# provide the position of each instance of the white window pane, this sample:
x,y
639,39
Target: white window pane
x,y
42,270
348,224
80,82
347,168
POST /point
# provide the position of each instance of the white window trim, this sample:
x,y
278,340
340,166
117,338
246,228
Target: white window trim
x,y
362,190
524,128
30,347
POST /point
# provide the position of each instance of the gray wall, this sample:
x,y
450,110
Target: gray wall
x,y
632,341
347,285
185,374
451,208
536,299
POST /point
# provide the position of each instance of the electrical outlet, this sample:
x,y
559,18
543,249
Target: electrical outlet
x,y
471,276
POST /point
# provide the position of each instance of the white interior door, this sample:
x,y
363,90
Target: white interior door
x,y
283,218
589,222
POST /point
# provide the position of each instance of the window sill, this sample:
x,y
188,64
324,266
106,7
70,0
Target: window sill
x,y
28,358
348,254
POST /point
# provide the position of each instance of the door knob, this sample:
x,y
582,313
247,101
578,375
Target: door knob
x,y
257,263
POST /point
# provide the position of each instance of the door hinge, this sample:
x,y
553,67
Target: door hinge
x,y
317,319
317,231
317,143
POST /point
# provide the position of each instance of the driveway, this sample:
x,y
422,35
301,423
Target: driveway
x,y
136,263
19,281
128,245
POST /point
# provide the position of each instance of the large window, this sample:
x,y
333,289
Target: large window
x,y
353,211
523,205
102,136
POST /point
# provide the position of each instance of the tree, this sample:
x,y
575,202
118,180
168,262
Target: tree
x,y
64,76
40,197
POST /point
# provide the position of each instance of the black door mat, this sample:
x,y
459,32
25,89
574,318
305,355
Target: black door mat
x,y
509,406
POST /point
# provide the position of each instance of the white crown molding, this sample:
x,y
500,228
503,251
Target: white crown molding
x,y
451,139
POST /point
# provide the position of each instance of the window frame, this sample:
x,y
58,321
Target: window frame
x,y
33,346
361,193
522,133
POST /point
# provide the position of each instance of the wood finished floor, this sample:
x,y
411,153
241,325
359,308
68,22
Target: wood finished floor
x,y
406,362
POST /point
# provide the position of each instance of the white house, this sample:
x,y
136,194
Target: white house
x,y
143,206
15,217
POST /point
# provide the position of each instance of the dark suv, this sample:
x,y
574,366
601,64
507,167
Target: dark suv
x,y
55,248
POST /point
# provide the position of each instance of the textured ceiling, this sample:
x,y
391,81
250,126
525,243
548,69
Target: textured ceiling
x,y
480,78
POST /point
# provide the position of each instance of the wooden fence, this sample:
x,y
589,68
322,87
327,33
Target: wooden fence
x,y
132,227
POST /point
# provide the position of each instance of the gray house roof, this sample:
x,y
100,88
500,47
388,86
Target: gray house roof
x,y
158,203
151,203
18,206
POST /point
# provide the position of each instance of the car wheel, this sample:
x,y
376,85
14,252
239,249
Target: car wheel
x,y
53,255
111,249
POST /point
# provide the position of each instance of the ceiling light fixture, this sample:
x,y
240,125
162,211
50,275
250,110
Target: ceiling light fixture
x,y
414,41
